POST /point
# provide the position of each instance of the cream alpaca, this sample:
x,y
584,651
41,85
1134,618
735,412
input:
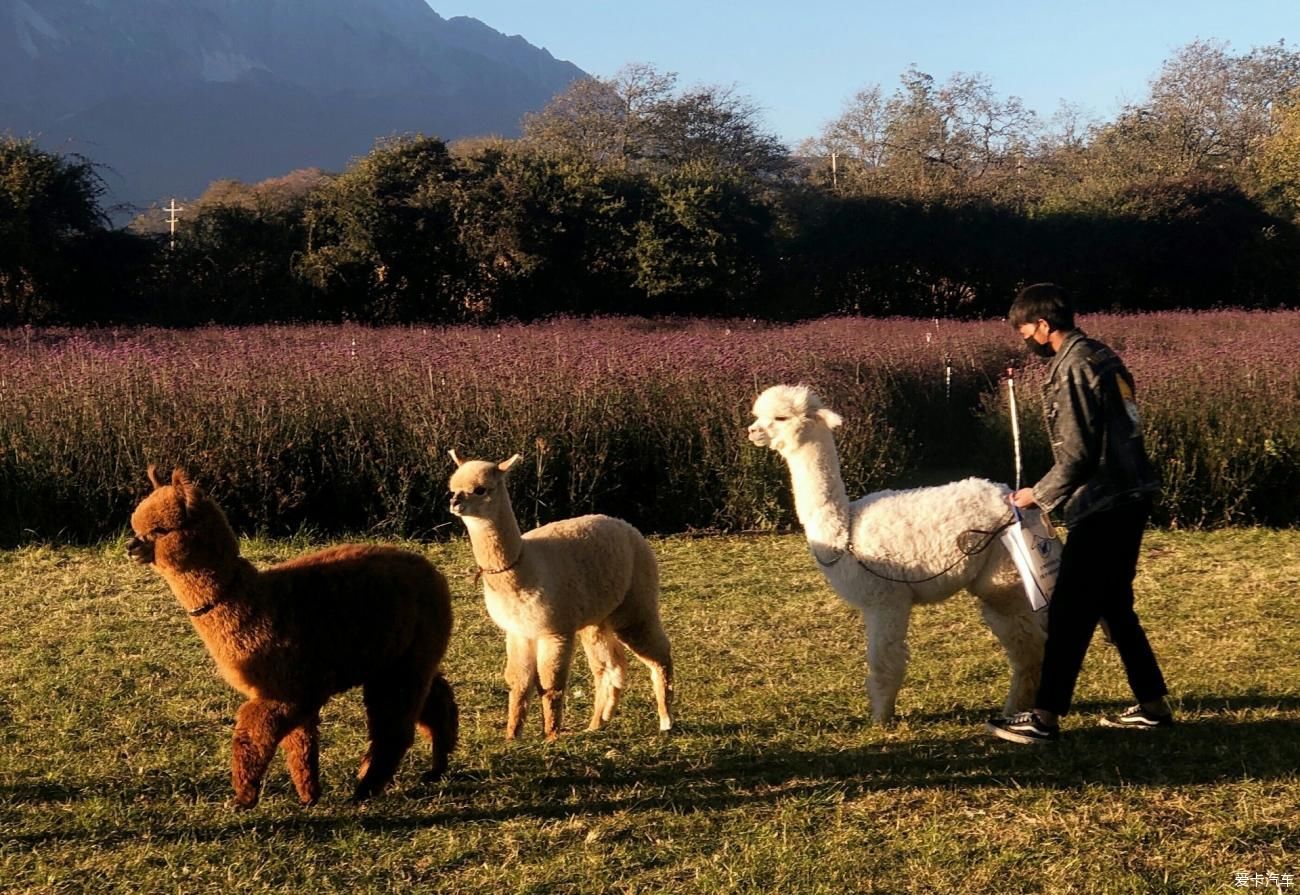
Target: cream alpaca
x,y
592,577
913,536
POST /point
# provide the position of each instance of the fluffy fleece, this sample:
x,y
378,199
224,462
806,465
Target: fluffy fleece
x,y
909,535
291,636
593,577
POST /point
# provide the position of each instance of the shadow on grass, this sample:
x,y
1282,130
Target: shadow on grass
x,y
538,783
1084,713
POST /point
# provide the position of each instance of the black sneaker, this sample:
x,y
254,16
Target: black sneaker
x,y
1026,728
1138,718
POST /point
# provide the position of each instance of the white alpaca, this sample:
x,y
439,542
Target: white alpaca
x,y
888,551
593,577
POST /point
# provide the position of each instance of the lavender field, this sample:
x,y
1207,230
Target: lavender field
x,y
334,429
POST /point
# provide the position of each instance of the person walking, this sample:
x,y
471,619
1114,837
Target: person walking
x,y
1103,483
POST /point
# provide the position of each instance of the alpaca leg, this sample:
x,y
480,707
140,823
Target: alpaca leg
x,y
591,647
521,677
260,724
608,663
887,656
1022,635
392,703
649,643
1021,631
440,722
615,675
302,755
554,656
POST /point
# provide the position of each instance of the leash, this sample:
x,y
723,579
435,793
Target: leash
x,y
965,554
203,610
480,571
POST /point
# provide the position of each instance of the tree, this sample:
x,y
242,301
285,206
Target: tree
x,y
1210,108
604,121
854,143
49,205
234,253
543,234
1277,162
929,141
701,243
638,121
1208,113
713,127
381,237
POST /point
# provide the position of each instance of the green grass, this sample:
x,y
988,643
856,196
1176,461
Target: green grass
x,y
114,748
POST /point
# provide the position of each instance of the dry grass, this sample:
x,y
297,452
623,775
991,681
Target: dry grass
x,y
114,744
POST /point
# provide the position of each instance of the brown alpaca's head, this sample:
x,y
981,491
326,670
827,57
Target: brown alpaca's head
x,y
478,488
177,527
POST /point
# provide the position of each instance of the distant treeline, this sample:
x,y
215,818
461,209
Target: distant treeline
x,y
632,196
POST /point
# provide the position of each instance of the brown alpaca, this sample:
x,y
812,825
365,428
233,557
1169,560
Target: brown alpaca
x,y
291,636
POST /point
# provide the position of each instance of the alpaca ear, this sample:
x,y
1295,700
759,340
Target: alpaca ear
x,y
186,491
832,419
505,465
455,458
153,477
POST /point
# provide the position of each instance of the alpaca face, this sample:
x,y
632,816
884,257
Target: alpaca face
x,y
158,520
479,487
786,416
179,528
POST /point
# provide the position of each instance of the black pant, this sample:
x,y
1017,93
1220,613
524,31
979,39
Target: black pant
x,y
1095,582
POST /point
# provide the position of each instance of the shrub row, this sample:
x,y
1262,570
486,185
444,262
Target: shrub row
x,y
345,429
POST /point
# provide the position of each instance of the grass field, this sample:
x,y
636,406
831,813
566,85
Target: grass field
x,y
114,748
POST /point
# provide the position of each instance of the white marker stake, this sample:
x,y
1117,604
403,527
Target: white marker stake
x,y
1015,420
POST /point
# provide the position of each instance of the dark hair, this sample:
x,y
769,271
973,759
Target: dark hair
x,y
1043,301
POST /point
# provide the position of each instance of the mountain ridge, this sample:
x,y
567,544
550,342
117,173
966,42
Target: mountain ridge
x,y
170,96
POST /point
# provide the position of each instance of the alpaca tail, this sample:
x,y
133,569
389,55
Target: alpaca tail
x,y
440,722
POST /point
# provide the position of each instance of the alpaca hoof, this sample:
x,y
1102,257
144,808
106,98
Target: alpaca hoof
x,y
242,803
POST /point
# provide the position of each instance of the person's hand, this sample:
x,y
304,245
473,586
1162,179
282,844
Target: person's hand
x,y
1023,498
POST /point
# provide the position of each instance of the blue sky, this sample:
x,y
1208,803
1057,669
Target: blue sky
x,y
801,62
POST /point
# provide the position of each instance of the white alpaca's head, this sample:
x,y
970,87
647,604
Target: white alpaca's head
x,y
478,488
787,416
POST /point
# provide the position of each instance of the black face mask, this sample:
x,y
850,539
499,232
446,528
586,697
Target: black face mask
x,y
1042,349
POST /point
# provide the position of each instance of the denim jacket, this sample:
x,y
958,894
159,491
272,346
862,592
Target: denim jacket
x,y
1100,460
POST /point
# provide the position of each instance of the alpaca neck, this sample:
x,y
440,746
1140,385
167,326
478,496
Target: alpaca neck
x,y
208,586
204,568
496,539
820,500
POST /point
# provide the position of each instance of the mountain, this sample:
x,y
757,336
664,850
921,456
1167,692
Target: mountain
x,y
170,95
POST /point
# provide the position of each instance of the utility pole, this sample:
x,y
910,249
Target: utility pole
x,y
835,176
171,210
